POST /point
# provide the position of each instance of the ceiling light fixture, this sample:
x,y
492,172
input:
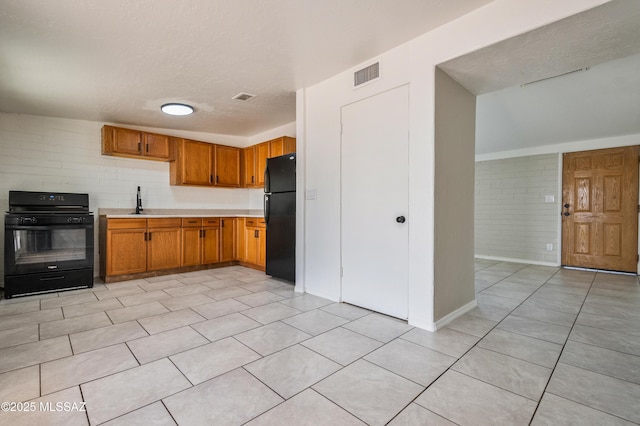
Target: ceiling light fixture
x,y
176,109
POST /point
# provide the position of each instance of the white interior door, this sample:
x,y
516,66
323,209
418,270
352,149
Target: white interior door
x,y
375,193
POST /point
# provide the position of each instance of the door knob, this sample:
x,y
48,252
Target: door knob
x,y
400,219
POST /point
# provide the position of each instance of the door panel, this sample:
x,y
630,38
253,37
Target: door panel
x,y
375,160
281,235
210,245
197,167
600,216
163,248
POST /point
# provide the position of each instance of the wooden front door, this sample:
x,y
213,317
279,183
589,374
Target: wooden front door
x,y
600,209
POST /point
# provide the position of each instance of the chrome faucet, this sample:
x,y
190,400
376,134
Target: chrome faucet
x,y
138,202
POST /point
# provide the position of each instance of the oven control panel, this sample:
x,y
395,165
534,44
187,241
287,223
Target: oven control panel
x,y
28,220
79,219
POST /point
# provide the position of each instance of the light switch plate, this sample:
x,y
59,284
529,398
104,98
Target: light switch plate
x,y
549,199
311,194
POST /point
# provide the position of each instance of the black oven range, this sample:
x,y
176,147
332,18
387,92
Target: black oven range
x,y
48,243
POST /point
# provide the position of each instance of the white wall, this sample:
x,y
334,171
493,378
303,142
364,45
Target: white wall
x,y
60,155
512,220
501,187
288,129
455,125
413,63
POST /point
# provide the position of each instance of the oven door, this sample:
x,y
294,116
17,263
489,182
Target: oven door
x,y
48,243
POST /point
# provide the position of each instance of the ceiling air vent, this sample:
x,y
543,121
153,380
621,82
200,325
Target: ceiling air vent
x,y
243,96
366,74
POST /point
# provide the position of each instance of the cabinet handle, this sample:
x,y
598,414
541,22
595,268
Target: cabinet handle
x,y
217,180
210,178
255,234
149,237
138,146
204,233
222,223
147,147
253,179
145,236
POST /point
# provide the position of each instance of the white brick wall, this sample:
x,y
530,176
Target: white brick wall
x,y
60,155
512,219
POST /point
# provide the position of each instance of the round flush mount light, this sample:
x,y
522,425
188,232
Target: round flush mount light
x,y
176,109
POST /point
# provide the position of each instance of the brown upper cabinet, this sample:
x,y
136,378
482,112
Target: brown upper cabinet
x,y
255,159
249,167
198,163
227,166
134,144
262,153
204,164
193,163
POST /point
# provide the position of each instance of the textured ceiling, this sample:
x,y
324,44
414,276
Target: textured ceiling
x,y
599,103
119,60
601,34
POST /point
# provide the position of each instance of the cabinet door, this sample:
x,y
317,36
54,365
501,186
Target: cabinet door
x,y
261,256
210,245
251,245
197,163
163,248
156,146
126,141
249,166
240,255
227,239
262,153
227,170
126,251
289,145
191,246
276,147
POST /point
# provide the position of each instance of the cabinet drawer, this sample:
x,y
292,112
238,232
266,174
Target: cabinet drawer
x,y
126,223
191,222
211,222
165,222
255,222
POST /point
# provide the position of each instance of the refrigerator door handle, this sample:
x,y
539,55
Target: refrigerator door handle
x,y
267,183
266,209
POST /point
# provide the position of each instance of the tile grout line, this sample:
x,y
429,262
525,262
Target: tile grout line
x,y
473,346
561,351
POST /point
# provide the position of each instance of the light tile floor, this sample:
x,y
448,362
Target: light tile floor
x,y
227,346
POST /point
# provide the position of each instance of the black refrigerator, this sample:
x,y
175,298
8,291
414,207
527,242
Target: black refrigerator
x,y
280,216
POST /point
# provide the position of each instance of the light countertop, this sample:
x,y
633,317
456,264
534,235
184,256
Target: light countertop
x,y
159,213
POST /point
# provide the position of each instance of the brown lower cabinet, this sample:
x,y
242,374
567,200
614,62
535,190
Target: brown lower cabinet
x,y
141,247
255,242
200,241
163,243
228,250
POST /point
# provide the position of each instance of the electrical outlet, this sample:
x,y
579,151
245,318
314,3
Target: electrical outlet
x,y
549,199
549,247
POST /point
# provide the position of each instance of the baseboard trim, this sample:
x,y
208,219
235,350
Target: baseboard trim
x,y
515,260
455,314
424,325
324,296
